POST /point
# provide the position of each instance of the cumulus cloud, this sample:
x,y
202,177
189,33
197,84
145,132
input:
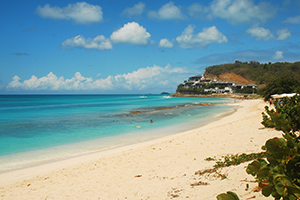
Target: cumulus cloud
x,y
131,33
137,9
201,40
80,12
278,55
293,20
196,10
167,12
260,33
99,43
143,78
241,11
165,43
283,34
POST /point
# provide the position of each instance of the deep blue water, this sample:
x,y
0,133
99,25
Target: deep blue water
x,y
33,123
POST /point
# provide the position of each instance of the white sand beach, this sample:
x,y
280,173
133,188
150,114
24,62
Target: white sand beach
x,y
159,169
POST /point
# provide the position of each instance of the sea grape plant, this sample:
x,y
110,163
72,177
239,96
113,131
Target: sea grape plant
x,y
285,117
279,174
228,196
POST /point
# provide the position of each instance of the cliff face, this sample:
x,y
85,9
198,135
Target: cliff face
x,y
229,77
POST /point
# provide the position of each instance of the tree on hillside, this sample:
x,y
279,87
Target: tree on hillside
x,y
280,86
259,73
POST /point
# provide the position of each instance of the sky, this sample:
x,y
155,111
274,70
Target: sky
x,y
136,47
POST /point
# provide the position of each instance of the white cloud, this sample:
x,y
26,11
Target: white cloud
x,y
293,20
137,9
165,43
283,34
260,33
131,33
80,12
278,55
167,12
208,35
196,10
143,78
241,11
99,43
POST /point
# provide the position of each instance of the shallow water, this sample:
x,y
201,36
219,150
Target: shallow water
x,y
41,128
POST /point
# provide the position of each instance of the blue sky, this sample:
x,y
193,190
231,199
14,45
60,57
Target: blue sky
x,y
129,46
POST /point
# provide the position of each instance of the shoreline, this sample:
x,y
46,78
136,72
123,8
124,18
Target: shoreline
x,y
155,169
59,153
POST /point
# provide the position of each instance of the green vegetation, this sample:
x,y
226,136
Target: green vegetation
x,y
280,86
236,159
278,175
228,196
286,117
279,77
195,90
191,90
226,161
260,73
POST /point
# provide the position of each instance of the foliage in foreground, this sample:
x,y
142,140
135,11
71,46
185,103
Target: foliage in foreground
x,y
285,117
228,196
279,174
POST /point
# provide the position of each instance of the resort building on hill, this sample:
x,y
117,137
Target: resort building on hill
x,y
211,85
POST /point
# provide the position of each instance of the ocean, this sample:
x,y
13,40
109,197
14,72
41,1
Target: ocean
x,y
42,128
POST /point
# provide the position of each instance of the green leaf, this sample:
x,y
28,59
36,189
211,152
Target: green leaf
x,y
272,145
233,194
293,189
263,172
228,196
267,190
281,182
293,167
275,195
253,167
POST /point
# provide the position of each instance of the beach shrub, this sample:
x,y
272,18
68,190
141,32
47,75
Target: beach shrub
x,y
279,174
228,196
285,117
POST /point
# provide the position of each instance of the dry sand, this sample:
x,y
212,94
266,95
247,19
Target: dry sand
x,y
158,169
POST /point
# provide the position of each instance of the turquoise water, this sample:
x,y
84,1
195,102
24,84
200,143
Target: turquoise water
x,y
39,128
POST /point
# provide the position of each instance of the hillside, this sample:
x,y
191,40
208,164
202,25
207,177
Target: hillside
x,y
255,72
230,77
